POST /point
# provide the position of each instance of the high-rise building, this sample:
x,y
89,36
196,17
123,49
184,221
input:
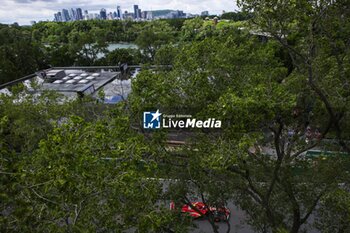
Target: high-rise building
x,y
103,14
79,14
94,16
128,15
205,13
58,17
144,14
110,16
136,12
119,12
72,14
86,14
149,15
181,14
139,14
65,15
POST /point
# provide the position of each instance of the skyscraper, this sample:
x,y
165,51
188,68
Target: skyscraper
x,y
86,14
110,16
119,12
65,15
103,14
128,15
79,14
58,17
144,14
205,13
136,12
72,14
139,14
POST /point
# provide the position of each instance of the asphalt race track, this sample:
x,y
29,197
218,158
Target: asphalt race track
x,y
236,221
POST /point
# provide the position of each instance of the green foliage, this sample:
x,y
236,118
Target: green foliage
x,y
75,174
191,28
166,55
152,36
87,46
236,16
267,108
119,56
334,212
74,183
19,54
204,71
151,90
279,85
175,23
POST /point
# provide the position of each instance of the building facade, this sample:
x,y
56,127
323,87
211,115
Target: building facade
x,y
103,14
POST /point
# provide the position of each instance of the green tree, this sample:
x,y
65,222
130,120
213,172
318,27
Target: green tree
x,y
118,56
334,213
75,174
191,28
236,16
152,36
19,54
271,117
312,33
87,46
166,55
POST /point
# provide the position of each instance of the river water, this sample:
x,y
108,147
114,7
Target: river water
x,y
121,45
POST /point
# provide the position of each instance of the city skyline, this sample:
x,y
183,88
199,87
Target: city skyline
x,y
77,14
25,11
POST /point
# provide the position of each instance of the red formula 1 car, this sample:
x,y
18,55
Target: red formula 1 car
x,y
201,210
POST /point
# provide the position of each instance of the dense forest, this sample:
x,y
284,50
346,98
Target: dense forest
x,y
276,74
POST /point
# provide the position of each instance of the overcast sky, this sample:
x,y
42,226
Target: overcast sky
x,y
24,11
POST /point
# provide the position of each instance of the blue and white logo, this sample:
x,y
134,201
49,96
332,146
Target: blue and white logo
x,y
151,120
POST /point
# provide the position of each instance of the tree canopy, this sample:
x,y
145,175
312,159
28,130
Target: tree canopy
x,y
278,81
